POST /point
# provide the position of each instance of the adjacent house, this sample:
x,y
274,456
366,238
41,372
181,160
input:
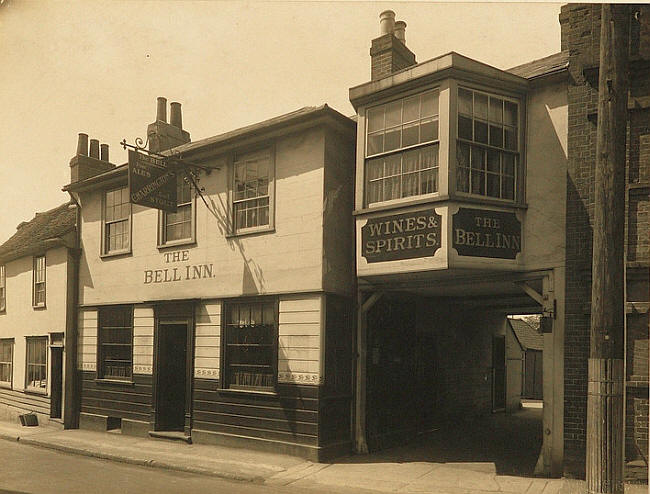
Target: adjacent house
x,y
37,293
532,345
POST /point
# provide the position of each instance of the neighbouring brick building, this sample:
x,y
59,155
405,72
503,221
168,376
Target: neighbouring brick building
x,y
580,38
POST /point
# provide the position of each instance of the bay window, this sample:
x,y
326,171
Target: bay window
x,y
402,148
487,150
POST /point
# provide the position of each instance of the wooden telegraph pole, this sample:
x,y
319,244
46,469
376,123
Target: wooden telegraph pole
x,y
605,425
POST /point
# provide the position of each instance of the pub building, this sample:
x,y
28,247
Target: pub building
x,y
228,318
471,204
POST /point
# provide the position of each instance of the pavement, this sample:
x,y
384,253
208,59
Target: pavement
x,y
409,469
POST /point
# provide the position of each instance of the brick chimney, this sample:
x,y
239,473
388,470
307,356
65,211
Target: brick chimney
x,y
388,52
163,135
83,166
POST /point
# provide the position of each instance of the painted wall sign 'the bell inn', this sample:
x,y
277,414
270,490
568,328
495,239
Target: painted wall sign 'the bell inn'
x,y
485,233
401,236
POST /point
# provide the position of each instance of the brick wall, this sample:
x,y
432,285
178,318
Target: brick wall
x,y
388,55
581,36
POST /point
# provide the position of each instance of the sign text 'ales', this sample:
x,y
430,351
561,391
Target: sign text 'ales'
x,y
401,236
151,183
485,233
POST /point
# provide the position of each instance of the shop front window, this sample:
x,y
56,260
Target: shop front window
x,y
250,360
487,152
402,148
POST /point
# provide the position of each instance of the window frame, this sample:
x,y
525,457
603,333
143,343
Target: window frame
x,y
235,158
402,150
8,384
162,218
35,271
518,153
104,252
224,384
3,288
101,314
33,389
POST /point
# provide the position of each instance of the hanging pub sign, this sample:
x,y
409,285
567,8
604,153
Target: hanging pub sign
x,y
151,182
485,233
401,236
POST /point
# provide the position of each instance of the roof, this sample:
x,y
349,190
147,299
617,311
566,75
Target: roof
x,y
543,66
45,230
529,338
304,113
255,130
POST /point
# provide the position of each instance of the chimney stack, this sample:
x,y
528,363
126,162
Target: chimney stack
x,y
175,117
94,148
86,164
163,135
82,145
161,110
388,52
103,153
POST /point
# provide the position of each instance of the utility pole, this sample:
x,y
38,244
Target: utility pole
x,y
605,424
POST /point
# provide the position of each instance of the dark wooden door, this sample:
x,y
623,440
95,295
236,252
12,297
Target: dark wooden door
x,y
533,375
172,376
498,373
56,397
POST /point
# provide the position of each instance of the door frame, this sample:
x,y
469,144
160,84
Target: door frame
x,y
174,314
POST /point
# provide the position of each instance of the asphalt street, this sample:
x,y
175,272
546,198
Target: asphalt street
x,y
26,469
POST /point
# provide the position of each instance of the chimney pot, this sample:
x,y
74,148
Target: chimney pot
x,y
82,144
386,22
161,109
400,31
175,117
103,152
94,148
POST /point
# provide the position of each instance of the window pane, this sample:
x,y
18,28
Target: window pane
x,y
429,104
429,181
393,165
493,185
392,188
496,110
480,132
410,183
510,138
510,113
508,188
462,179
480,106
478,158
374,168
429,130
375,119
392,139
374,192
478,182
410,134
462,155
464,127
411,161
493,161
496,136
393,114
411,109
375,143
464,101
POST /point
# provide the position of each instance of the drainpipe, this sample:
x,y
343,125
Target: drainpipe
x,y
72,388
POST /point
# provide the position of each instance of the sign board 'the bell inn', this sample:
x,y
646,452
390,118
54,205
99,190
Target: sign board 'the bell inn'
x,y
151,182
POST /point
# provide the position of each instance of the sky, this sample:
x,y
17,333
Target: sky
x,y
97,67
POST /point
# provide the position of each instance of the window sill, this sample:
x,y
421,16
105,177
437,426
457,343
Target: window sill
x,y
115,254
400,204
490,201
34,391
255,231
114,381
6,385
245,392
177,243
39,307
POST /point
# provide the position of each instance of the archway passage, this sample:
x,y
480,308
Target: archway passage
x,y
445,382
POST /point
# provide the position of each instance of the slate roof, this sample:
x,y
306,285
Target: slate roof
x,y
547,65
45,230
527,335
